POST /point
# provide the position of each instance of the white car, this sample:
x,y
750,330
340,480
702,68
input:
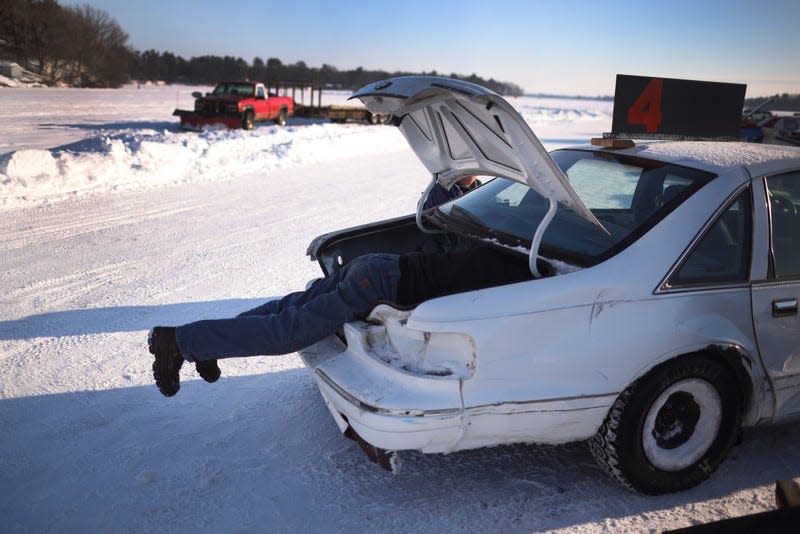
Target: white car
x,y
662,316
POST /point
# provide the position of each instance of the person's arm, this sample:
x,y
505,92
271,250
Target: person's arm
x,y
439,195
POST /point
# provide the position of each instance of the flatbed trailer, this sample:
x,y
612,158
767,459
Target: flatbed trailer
x,y
339,114
353,113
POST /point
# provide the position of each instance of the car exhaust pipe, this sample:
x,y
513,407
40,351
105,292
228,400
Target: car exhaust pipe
x,y
787,494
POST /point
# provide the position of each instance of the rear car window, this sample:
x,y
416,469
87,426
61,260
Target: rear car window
x,y
628,195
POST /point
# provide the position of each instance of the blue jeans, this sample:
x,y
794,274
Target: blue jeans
x,y
299,319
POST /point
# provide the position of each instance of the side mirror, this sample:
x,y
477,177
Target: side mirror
x,y
197,94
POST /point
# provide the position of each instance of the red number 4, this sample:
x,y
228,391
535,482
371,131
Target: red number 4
x,y
646,109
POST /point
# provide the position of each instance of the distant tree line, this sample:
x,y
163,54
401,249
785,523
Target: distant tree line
x,y
85,47
78,46
166,66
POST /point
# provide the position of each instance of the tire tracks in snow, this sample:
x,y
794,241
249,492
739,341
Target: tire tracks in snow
x,y
61,225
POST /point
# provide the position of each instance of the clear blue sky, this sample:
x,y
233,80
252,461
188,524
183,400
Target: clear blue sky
x,y
552,46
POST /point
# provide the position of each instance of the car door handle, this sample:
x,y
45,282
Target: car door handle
x,y
782,308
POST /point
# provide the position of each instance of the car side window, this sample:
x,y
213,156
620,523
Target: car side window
x,y
784,202
723,253
260,93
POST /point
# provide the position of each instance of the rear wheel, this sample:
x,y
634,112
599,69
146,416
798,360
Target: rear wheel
x,y
670,429
281,120
248,120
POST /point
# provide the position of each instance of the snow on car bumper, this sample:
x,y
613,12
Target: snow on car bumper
x,y
396,410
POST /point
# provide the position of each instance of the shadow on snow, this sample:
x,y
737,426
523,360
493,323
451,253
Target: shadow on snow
x,y
261,452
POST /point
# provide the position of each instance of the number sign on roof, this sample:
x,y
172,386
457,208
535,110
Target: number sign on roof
x,y
668,108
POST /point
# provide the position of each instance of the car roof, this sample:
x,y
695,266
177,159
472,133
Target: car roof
x,y
712,156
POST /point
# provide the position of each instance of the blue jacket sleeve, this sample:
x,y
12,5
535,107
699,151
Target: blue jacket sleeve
x,y
440,195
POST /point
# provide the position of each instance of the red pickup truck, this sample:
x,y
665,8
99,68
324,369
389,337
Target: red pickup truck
x,y
236,104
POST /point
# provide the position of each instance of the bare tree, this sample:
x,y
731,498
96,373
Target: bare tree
x,y
27,28
77,45
100,55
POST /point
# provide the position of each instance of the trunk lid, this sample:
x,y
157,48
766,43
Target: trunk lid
x,y
458,129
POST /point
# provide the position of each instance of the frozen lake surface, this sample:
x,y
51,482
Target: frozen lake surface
x,y
113,221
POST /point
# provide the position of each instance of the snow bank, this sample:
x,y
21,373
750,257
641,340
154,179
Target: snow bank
x,y
136,159
127,139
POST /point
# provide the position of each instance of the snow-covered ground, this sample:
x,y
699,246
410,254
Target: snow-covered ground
x,y
114,221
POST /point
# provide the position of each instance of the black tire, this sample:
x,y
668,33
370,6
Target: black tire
x,y
248,120
671,428
281,120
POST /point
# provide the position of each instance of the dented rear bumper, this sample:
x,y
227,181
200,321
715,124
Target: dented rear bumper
x,y
388,408
392,409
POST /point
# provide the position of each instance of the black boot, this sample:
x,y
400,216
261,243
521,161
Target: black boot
x,y
166,369
208,370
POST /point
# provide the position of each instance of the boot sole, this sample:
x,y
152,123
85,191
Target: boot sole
x,y
168,390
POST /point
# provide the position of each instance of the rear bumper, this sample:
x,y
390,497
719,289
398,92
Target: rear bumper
x,y
396,410
385,410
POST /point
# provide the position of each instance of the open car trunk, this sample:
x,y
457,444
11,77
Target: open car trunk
x,y
457,129
397,236
400,235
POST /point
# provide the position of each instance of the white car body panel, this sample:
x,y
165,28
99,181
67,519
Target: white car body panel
x,y
780,354
562,391
544,360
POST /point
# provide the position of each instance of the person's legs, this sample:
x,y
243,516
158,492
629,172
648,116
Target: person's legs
x,y
209,369
277,327
299,320
319,286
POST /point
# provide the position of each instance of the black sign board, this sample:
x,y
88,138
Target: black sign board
x,y
668,108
